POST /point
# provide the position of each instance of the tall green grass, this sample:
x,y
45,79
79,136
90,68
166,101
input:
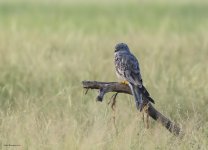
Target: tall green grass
x,y
47,49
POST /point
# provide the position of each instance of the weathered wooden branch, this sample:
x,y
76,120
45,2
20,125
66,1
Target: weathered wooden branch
x,y
105,87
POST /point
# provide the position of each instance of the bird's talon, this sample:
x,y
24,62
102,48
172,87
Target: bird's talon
x,y
124,82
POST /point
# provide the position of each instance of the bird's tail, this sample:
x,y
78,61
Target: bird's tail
x,y
146,94
137,96
139,93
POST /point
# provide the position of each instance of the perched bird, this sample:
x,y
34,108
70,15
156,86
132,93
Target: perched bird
x,y
127,69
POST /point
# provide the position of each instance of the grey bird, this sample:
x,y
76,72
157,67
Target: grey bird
x,y
127,69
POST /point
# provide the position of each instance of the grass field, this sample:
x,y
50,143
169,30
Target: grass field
x,y
48,48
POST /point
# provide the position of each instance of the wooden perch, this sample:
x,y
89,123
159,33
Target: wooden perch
x,y
105,87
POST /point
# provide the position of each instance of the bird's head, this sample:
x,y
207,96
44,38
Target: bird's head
x,y
121,47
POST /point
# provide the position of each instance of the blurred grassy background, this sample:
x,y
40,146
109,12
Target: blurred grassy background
x,y
48,47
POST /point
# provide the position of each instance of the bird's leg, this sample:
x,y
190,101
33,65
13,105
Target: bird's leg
x,y
125,82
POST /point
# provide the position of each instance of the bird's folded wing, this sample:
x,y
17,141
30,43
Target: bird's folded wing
x,y
132,71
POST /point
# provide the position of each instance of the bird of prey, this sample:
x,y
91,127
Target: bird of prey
x,y
127,69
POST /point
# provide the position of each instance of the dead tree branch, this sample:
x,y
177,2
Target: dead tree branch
x,y
105,87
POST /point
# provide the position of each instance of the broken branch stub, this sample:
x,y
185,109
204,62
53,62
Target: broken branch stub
x,y
105,87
